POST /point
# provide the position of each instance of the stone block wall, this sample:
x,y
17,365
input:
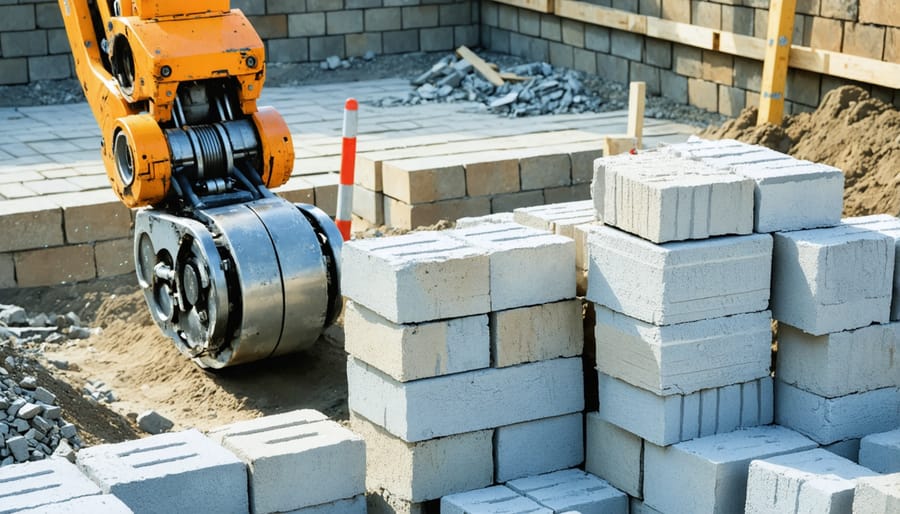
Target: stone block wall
x,y
711,80
33,43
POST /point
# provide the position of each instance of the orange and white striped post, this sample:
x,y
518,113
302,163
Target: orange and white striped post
x,y
348,164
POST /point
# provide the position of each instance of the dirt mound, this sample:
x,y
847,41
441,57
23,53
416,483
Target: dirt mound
x,y
850,130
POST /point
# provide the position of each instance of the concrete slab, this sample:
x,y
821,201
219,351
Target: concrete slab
x,y
614,454
422,276
687,357
572,490
416,350
36,484
539,446
279,448
881,452
877,495
536,333
810,481
832,279
679,282
709,475
436,407
426,470
172,472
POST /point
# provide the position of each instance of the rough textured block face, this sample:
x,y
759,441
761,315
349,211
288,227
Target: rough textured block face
x,y
613,454
881,452
889,226
684,358
175,472
414,351
827,420
877,495
426,470
842,363
581,243
679,282
572,490
498,218
492,500
559,218
355,505
539,446
34,484
663,198
277,449
666,420
810,481
832,279
99,503
425,409
541,332
527,266
710,474
416,277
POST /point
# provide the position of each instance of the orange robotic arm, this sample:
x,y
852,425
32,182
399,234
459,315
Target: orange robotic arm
x,y
173,86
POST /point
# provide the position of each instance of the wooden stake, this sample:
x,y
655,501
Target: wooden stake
x,y
614,145
636,98
778,51
478,63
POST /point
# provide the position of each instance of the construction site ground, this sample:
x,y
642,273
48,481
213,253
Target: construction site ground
x,y
142,367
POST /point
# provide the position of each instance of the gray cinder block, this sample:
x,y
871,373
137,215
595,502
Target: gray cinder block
x,y
810,481
881,452
172,472
661,197
827,420
426,470
279,448
877,495
527,266
422,276
841,363
36,484
559,218
665,420
832,279
572,490
99,503
614,454
539,446
492,500
889,226
416,350
709,475
425,409
687,357
679,282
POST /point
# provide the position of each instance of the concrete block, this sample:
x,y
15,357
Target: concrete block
x,y
383,19
810,481
665,420
105,503
56,265
423,179
497,218
710,474
848,449
344,22
368,205
788,195
684,358
679,282
7,271
517,252
277,449
540,332
842,363
402,215
498,499
425,409
877,495
881,452
827,420
661,198
559,218
115,257
889,226
540,446
355,505
425,470
572,490
613,454
29,222
173,472
492,176
383,502
703,94
512,201
416,277
34,484
415,351
637,506
832,279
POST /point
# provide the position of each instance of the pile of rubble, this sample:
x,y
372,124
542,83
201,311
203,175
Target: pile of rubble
x,y
534,89
41,328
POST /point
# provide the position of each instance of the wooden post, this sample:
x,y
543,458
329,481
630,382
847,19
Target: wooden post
x,y
778,50
636,99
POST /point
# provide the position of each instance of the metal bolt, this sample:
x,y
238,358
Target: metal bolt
x,y
251,62
165,71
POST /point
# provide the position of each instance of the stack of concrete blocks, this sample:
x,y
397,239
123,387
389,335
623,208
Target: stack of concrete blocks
x,y
680,274
464,365
52,485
